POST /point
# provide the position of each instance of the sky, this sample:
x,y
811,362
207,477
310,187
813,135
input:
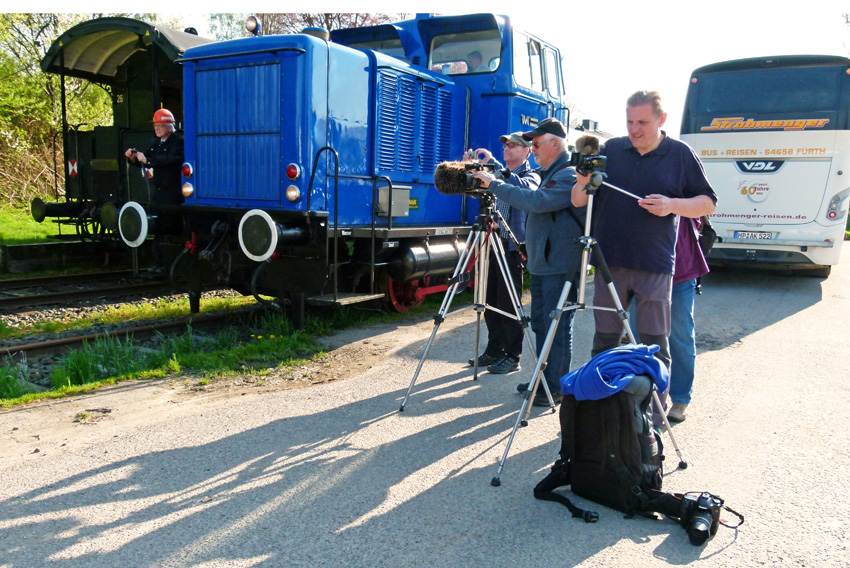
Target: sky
x,y
612,49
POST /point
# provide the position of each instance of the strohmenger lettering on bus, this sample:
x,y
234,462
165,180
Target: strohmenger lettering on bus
x,y
738,123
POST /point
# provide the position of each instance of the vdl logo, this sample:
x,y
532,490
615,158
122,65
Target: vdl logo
x,y
528,120
759,166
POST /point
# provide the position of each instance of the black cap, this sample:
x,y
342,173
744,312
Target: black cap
x,y
547,126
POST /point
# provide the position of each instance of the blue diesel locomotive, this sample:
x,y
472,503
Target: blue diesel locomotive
x,y
310,157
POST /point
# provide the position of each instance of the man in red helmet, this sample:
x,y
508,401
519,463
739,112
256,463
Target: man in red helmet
x,y
161,165
162,160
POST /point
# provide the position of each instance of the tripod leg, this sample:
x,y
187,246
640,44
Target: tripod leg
x,y
602,266
514,294
547,346
444,307
482,270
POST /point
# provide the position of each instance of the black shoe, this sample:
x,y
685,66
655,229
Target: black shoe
x,y
522,388
541,400
485,360
505,365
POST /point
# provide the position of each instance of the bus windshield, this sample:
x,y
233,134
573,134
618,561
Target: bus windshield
x,y
763,91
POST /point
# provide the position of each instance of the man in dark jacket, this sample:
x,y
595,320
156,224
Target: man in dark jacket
x,y
505,334
551,234
161,165
162,161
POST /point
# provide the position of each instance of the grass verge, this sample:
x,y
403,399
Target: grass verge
x,y
259,346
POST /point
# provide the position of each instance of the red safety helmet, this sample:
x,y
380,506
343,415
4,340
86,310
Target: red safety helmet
x,y
163,116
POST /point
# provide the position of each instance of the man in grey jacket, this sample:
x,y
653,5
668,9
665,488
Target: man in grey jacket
x,y
551,234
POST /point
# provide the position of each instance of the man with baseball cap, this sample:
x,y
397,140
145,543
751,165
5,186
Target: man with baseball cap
x,y
552,230
505,334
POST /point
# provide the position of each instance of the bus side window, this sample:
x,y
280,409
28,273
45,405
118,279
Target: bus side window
x,y
527,68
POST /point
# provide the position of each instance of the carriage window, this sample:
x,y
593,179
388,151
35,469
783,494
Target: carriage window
x,y
466,52
527,71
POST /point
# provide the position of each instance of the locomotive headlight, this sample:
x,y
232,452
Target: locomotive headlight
x,y
187,170
293,193
252,24
187,189
293,171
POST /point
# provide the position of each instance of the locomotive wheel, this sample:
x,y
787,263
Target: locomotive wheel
x,y
401,296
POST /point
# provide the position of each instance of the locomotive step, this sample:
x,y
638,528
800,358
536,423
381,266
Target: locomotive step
x,y
342,299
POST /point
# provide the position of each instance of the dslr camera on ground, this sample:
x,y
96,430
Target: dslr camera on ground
x,y
700,515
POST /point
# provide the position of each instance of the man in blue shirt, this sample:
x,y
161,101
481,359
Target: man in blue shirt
x,y
505,334
552,232
638,237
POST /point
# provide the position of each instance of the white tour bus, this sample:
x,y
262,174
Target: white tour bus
x,y
774,137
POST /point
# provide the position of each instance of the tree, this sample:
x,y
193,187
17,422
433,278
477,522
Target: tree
x,y
230,26
30,108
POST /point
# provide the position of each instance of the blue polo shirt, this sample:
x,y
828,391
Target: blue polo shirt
x,y
630,236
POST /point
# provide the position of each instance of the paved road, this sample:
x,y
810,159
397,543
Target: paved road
x,y
334,475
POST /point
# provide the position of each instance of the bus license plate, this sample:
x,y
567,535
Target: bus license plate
x,y
758,235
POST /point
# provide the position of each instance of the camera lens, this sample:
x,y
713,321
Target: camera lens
x,y
698,528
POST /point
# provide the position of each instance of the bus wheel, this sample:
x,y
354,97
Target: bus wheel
x,y
401,296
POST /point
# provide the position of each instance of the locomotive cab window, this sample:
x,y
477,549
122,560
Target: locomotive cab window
x,y
553,72
527,62
392,47
466,52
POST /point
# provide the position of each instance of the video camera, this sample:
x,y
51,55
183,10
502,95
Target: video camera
x,y
586,165
586,159
452,178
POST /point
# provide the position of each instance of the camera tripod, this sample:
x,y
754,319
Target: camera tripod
x,y
480,243
588,244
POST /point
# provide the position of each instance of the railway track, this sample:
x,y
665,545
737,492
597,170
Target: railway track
x,y
50,347
23,294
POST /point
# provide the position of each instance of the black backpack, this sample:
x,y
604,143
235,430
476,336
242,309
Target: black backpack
x,y
611,454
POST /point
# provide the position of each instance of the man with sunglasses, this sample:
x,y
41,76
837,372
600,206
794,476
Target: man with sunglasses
x,y
552,230
504,334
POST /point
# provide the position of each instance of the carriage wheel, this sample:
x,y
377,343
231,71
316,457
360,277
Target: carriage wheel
x,y
89,229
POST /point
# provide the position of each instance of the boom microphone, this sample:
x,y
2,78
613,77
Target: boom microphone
x,y
587,145
452,178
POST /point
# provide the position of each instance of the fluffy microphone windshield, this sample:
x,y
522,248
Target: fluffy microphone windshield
x,y
452,178
587,145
